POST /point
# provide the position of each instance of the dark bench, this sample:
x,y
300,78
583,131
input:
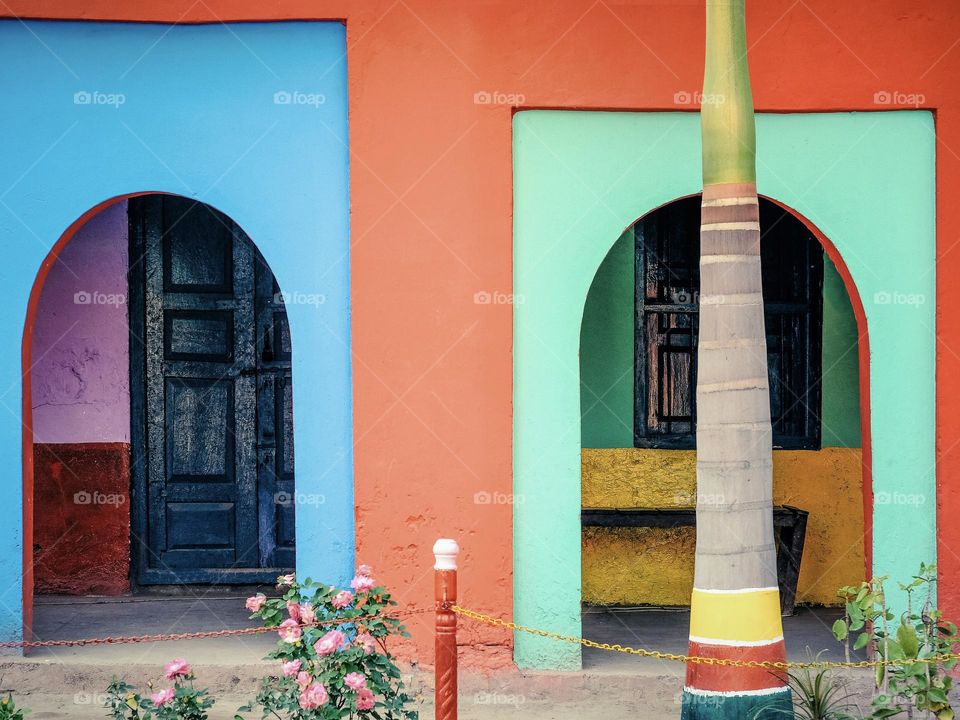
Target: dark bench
x,y
789,527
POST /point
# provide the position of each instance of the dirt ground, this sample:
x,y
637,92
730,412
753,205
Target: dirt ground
x,y
56,707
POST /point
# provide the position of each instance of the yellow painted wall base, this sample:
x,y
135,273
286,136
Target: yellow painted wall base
x,y
649,566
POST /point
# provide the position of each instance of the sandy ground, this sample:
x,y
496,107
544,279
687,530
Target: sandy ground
x,y
65,682
50,707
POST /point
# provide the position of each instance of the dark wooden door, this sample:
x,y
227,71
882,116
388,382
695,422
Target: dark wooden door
x,y
667,276
211,398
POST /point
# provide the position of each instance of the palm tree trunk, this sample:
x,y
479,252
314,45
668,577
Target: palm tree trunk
x,y
735,608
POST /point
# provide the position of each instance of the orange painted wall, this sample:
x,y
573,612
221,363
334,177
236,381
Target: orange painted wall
x,y
431,220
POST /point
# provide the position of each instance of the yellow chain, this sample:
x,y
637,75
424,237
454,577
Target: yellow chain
x,y
696,659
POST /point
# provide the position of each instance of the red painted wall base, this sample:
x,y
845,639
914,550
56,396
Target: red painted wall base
x,y
82,519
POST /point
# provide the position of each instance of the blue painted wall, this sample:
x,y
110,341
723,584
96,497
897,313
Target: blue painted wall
x,y
250,118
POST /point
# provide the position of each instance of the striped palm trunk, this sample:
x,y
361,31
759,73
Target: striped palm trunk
x,y
735,608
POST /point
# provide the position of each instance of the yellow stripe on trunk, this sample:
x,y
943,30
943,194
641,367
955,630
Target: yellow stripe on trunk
x,y
751,616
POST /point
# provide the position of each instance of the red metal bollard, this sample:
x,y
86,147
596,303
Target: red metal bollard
x,y
445,591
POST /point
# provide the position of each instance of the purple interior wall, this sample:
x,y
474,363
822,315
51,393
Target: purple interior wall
x,y
80,355
81,415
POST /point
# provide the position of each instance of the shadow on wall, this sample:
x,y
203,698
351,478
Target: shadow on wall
x,y
81,414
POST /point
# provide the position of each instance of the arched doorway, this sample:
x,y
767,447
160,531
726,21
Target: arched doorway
x,y
638,420
161,401
580,179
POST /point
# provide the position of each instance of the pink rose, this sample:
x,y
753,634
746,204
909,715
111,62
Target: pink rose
x,y
303,679
256,602
361,583
286,580
342,599
366,641
163,697
176,668
365,570
330,643
294,610
313,696
290,669
308,615
355,680
289,630
365,699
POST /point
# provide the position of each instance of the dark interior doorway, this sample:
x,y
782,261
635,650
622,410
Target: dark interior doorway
x,y
211,401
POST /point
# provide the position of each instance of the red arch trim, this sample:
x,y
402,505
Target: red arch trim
x,y
863,349
27,406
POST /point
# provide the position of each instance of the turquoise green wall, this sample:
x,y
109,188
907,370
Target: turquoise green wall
x,y
607,357
866,180
606,352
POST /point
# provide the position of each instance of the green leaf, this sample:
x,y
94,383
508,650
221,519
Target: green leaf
x,y
863,640
840,631
908,640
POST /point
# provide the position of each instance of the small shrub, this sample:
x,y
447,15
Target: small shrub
x,y
920,633
817,695
9,709
182,701
332,653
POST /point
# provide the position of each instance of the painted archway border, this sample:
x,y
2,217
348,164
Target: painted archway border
x,y
200,118
866,181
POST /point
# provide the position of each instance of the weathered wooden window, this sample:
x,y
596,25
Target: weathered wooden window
x,y
667,294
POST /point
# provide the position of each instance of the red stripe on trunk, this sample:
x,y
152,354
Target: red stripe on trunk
x,y
727,678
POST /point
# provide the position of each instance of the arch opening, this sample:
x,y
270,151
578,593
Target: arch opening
x,y
157,408
638,416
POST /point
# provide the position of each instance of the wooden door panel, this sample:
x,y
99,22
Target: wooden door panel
x,y
200,431
209,508
198,252
204,335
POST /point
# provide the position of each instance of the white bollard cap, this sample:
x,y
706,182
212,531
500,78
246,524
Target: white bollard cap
x,y
445,551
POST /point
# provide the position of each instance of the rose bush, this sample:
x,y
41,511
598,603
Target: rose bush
x,y
332,657
181,701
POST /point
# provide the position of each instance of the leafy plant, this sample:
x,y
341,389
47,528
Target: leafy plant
x,y
917,683
182,701
9,709
332,651
816,696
